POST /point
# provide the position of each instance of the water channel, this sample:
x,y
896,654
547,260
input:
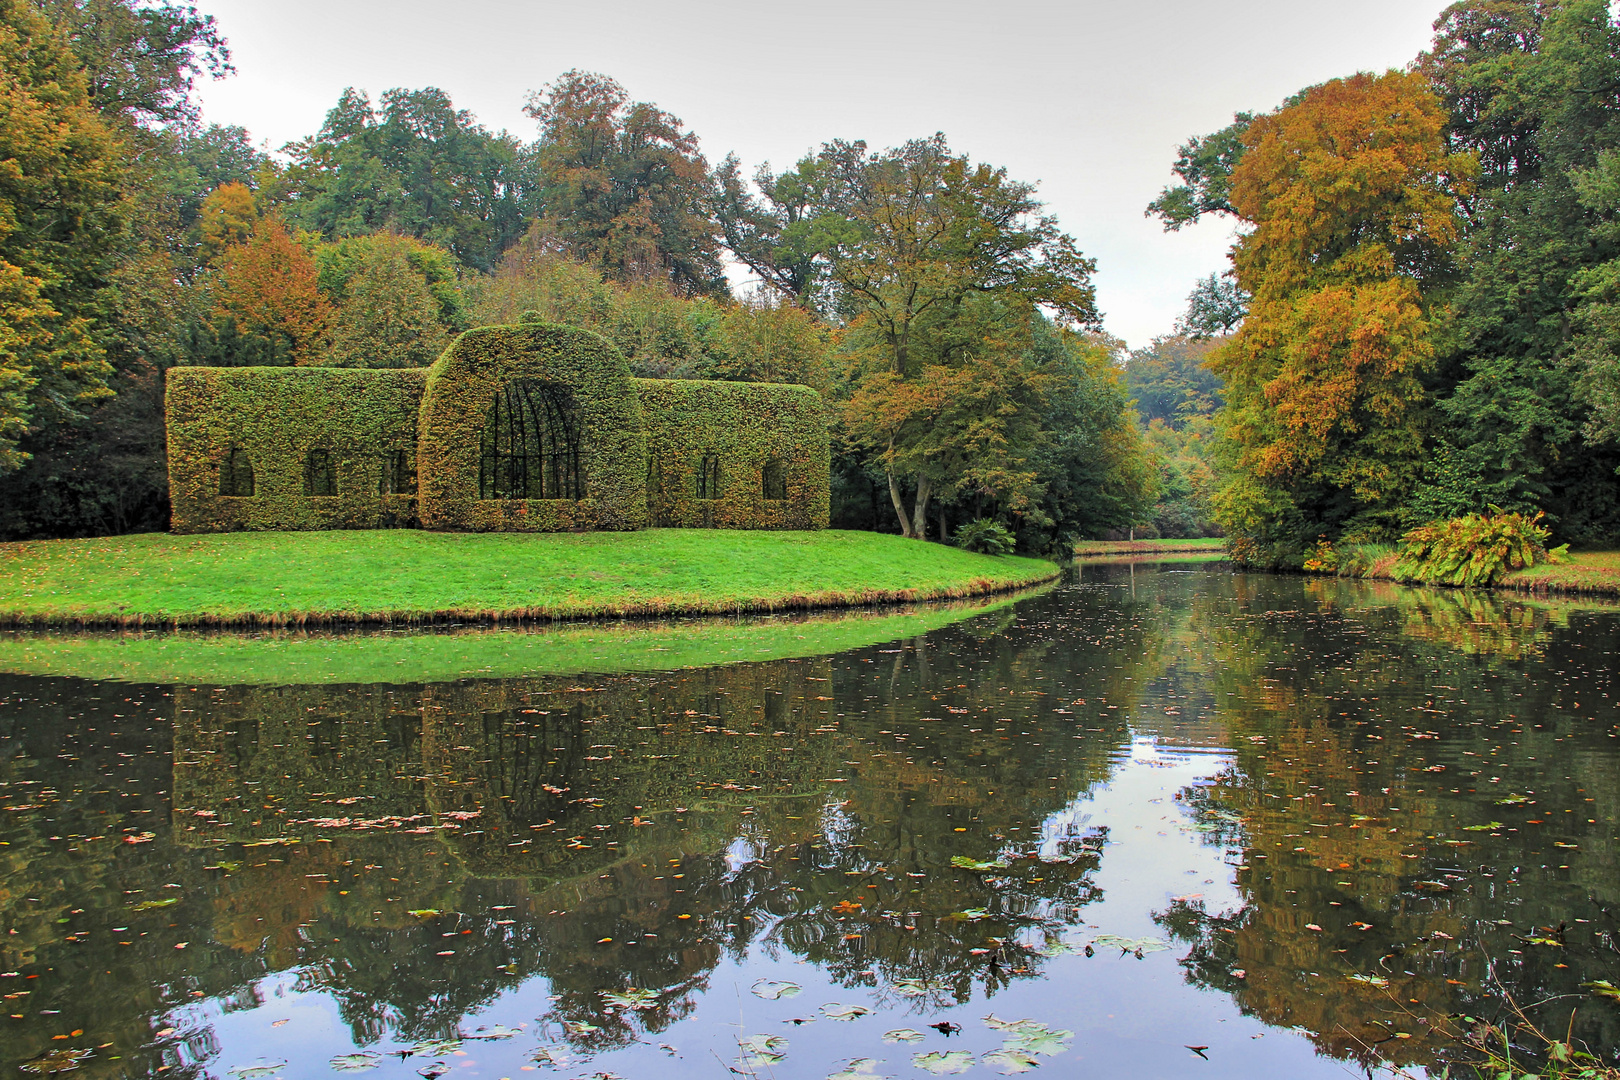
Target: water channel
x,y
1160,820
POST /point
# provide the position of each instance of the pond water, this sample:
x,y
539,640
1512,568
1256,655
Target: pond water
x,y
1164,820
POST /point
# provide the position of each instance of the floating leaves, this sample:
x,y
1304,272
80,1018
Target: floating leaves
x,y
1602,988
1029,1036
972,914
771,990
835,1011
580,1027
495,1031
425,913
858,1069
1487,827
148,905
556,1056
1369,980
760,1050
903,1035
433,1071
356,1062
633,998
944,1062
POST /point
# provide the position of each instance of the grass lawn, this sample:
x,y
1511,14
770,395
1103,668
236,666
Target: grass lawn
x,y
392,576
422,655
1208,545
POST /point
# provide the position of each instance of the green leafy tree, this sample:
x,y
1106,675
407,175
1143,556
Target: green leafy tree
x,y
1171,380
416,166
59,226
1215,308
388,315
623,186
1204,164
1520,80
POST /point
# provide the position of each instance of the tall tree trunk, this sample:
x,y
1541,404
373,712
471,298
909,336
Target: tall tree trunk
x,y
944,526
899,504
919,516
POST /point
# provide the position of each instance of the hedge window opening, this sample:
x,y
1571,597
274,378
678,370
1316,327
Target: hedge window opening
x,y
320,477
774,478
236,474
708,477
398,478
531,444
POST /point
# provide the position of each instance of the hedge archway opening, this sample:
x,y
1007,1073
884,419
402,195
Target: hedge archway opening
x,y
530,448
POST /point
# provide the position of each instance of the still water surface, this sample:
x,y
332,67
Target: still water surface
x,y
1300,825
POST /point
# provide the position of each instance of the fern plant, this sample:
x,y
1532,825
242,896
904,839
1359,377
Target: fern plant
x,y
985,536
1473,551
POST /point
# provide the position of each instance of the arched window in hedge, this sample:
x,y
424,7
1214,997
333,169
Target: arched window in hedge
x,y
320,477
236,474
774,478
398,478
708,477
531,444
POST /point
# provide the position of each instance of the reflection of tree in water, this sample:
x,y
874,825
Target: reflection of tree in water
x,y
1379,896
541,816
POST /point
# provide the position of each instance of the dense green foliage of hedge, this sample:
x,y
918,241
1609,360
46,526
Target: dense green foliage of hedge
x,y
278,417
748,433
456,409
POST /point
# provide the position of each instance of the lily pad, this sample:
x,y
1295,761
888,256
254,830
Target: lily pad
x,y
495,1031
858,1069
1011,1060
356,1062
760,1050
248,1072
771,990
835,1011
1131,945
917,987
963,862
57,1061
902,1035
433,1071
944,1062
557,1056
633,998
972,914
434,1048
580,1027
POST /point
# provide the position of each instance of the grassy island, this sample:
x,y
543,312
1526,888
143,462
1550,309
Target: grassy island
x,y
410,576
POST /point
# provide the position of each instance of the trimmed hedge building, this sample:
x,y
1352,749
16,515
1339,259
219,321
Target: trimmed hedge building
x,y
529,428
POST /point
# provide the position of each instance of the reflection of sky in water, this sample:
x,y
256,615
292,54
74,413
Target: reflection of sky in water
x,y
1130,1016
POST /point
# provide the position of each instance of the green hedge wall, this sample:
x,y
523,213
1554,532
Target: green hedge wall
x,y
744,428
456,406
277,416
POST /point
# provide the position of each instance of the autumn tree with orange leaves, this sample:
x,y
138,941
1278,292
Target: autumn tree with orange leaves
x,y
1352,196
268,297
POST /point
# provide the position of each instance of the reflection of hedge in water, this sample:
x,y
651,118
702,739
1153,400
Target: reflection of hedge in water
x,y
1327,699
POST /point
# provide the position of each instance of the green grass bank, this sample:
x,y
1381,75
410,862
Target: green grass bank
x,y
1213,545
409,577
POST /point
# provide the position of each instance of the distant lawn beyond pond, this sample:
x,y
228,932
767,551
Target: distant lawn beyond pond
x,y
407,576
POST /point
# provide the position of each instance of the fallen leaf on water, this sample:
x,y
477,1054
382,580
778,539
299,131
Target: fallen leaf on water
x,y
434,1048
846,907
495,1031
944,1062
771,990
917,987
424,913
964,862
899,1035
148,905
580,1027
433,1071
278,1023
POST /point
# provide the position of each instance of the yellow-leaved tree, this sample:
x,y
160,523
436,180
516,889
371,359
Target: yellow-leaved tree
x,y
1352,195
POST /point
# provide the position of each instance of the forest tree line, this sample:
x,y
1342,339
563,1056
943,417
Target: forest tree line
x,y
1421,319
948,320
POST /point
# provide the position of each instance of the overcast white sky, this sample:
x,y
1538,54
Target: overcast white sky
x,y
1087,99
